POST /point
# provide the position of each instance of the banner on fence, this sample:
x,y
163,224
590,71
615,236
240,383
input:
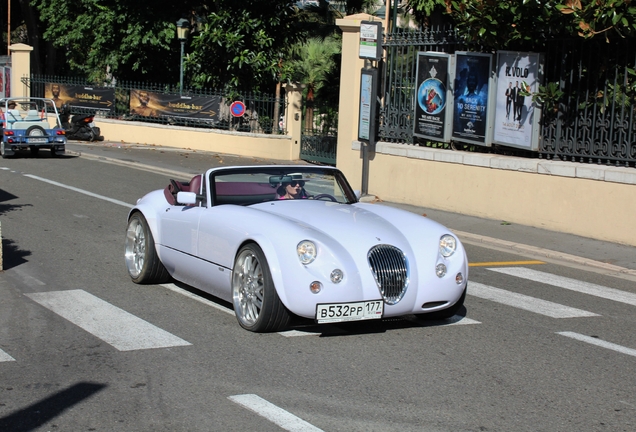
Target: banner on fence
x,y
432,119
472,98
2,87
151,104
98,98
516,116
6,87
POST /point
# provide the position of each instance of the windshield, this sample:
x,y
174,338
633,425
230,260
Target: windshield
x,y
246,186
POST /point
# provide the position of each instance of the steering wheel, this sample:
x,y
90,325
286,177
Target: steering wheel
x,y
324,195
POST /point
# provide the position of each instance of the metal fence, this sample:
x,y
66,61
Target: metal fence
x,y
319,139
262,114
593,117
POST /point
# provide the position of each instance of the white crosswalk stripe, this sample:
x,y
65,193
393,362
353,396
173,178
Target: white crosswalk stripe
x,y
598,342
521,301
4,357
109,323
569,284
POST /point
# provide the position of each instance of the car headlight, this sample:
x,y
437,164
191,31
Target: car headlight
x,y
306,251
447,245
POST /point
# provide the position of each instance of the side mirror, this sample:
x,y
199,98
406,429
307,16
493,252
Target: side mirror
x,y
186,198
358,194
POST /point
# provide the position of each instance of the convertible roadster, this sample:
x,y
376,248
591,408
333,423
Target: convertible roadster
x,y
284,241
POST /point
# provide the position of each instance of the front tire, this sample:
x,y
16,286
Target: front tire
x,y
256,303
142,261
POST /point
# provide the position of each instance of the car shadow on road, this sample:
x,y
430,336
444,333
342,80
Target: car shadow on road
x,y
355,328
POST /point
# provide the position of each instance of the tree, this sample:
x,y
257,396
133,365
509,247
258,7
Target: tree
x,y
314,65
527,24
240,43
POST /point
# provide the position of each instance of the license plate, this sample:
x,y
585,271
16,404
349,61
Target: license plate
x,y
37,140
339,312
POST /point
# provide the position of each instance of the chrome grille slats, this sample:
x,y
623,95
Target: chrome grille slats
x,y
390,270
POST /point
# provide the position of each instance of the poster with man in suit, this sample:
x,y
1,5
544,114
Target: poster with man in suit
x,y
518,77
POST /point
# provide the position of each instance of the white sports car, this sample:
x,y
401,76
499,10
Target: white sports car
x,y
279,241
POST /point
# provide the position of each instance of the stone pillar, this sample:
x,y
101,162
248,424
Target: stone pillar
x,y
350,161
20,67
293,117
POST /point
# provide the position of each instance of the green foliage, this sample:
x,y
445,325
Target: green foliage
x,y
104,38
601,17
549,96
240,44
526,24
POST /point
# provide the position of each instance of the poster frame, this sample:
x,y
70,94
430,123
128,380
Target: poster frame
x,y
535,124
488,119
447,122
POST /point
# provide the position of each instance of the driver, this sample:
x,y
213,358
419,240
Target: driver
x,y
293,189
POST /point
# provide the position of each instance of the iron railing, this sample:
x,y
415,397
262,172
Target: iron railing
x,y
260,113
592,121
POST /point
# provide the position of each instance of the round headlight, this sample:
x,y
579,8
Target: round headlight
x,y
447,245
306,251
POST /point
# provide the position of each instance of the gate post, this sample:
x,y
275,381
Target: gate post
x,y
293,116
20,67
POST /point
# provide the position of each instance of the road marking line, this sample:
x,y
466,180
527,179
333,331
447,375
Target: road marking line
x,y
504,263
173,287
571,284
85,192
273,413
525,302
600,342
4,357
113,325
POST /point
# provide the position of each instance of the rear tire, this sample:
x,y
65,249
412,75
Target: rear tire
x,y
256,303
142,261
3,153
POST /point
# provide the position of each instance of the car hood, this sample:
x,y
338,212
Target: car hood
x,y
362,225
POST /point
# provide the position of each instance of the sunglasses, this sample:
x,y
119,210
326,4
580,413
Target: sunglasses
x,y
300,183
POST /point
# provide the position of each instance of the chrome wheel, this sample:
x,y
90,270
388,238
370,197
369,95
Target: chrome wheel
x,y
247,291
142,261
256,303
135,248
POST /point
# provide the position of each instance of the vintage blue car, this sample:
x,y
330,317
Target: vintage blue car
x,y
31,123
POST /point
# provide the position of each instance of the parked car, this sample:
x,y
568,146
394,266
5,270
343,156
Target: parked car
x,y
325,256
31,123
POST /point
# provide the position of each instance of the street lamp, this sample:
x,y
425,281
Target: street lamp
x,y
183,28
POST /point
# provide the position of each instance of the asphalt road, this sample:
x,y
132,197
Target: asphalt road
x,y
540,345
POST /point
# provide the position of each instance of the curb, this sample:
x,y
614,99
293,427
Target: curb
x,y
480,240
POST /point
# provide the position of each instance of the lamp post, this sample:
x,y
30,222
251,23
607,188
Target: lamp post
x,y
183,28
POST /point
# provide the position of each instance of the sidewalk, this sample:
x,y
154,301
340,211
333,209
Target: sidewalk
x,y
493,234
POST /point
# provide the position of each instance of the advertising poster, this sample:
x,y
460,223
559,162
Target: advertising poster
x,y
518,77
150,104
99,98
470,109
2,90
431,96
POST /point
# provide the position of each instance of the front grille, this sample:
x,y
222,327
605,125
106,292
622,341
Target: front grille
x,y
390,269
